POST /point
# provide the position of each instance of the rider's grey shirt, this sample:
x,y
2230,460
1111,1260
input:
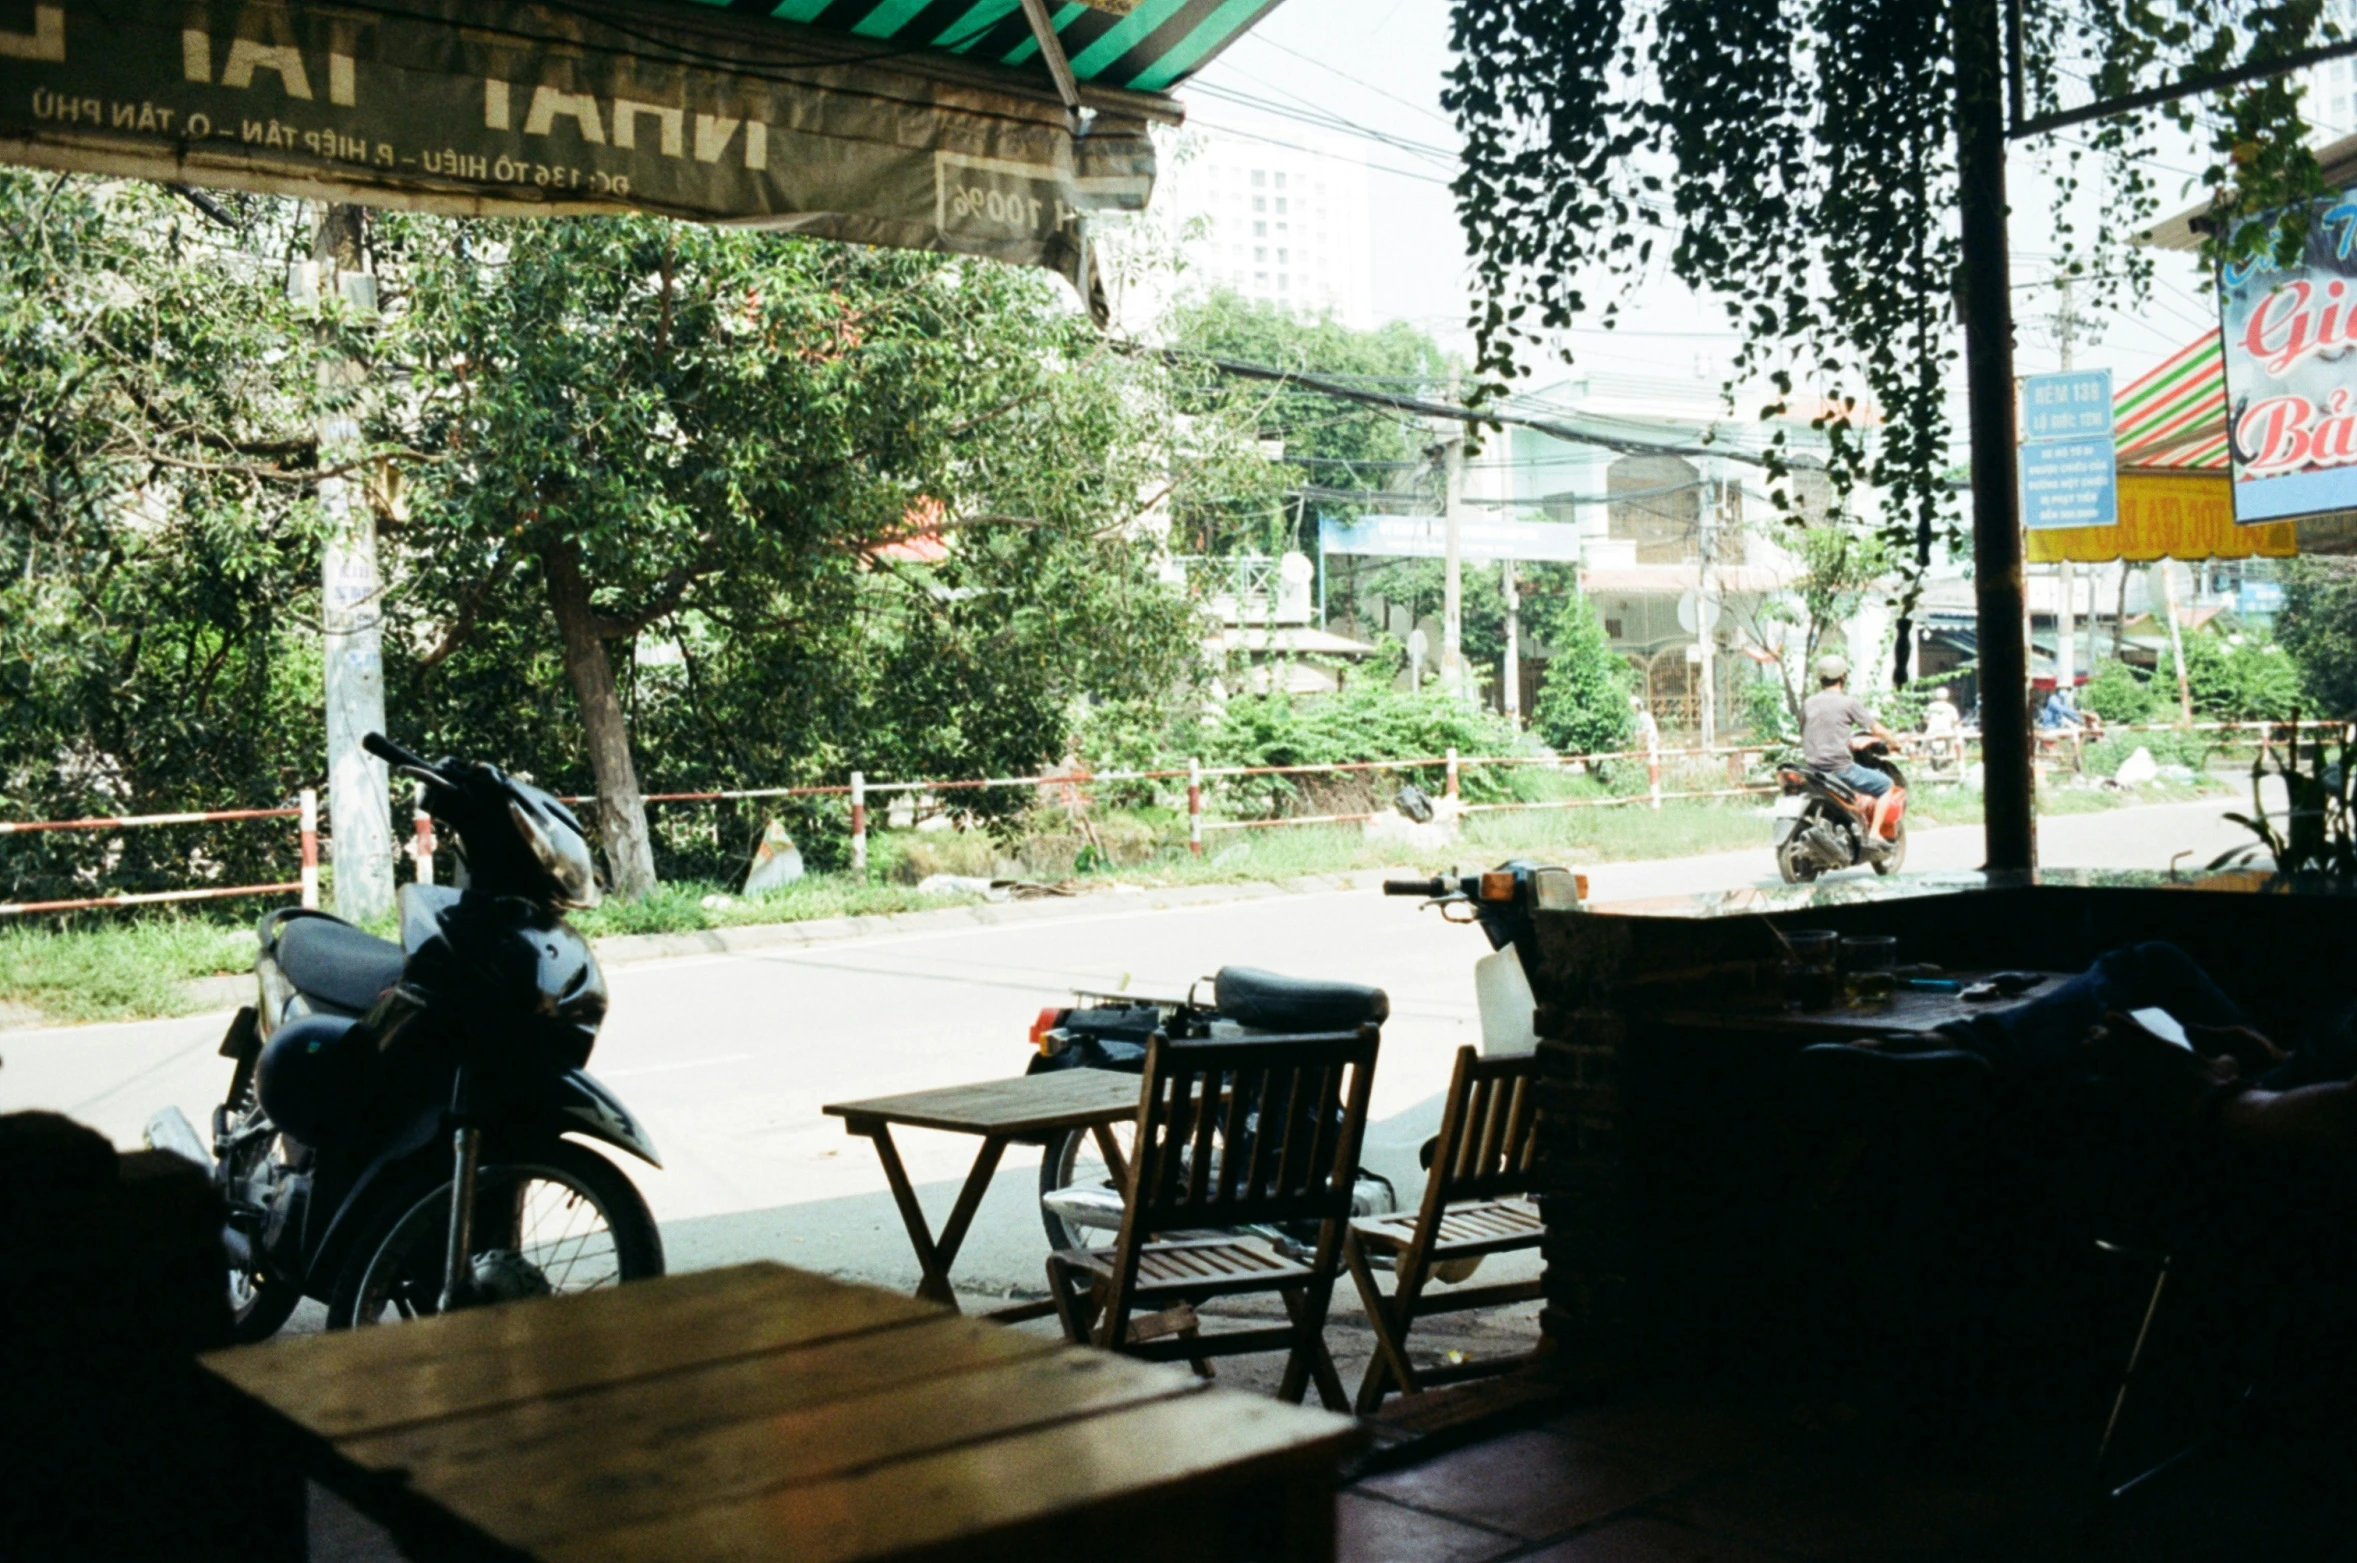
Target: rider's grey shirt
x,y
1827,719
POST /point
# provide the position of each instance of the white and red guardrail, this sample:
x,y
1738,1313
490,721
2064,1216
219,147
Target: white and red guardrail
x,y
859,790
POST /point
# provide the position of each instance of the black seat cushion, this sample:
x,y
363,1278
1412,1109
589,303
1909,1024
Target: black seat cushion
x,y
334,963
1266,1001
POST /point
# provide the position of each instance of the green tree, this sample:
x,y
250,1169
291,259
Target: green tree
x,y
158,552
1584,702
2318,626
2241,678
857,505
2118,693
1340,460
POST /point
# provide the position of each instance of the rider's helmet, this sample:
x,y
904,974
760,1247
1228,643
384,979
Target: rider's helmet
x,y
1832,669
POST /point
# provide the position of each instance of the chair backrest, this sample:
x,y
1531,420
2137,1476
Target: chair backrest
x,y
1488,1130
1235,1133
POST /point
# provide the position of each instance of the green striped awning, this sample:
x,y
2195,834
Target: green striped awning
x,y
1141,45
2174,414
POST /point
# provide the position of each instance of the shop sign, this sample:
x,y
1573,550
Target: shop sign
x,y
2291,378
501,108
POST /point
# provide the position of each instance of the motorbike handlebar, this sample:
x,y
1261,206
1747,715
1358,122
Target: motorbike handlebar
x,y
1428,888
402,759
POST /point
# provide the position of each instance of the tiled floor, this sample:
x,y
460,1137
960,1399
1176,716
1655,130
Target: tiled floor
x,y
1666,1475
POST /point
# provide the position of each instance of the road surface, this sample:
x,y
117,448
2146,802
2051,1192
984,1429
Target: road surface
x,y
728,1058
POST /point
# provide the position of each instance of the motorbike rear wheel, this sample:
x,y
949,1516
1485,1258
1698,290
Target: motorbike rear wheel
x,y
1794,864
571,1213
259,1303
1896,858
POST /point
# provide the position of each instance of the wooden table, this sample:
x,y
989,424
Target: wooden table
x,y
1911,1011
1025,1108
767,1413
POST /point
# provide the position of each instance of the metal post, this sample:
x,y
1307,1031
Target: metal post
x,y
1510,676
310,839
1452,580
859,822
1452,773
422,824
1706,669
2168,569
1195,807
2010,826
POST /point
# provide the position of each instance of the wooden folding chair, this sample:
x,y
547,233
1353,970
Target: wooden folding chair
x,y
1481,1160
1230,1134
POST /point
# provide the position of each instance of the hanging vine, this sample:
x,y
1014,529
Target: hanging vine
x,y
1794,160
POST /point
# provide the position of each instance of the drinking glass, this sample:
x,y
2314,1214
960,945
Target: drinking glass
x,y
1866,969
1808,968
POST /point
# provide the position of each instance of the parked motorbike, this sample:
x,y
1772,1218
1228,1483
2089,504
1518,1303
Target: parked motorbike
x,y
403,1128
1823,824
1080,1202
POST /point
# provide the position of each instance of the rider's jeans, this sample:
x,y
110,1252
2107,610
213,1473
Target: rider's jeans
x,y
1866,779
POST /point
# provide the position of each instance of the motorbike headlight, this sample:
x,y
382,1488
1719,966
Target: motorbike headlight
x,y
561,854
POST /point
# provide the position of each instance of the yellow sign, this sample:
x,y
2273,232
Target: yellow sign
x,y
2187,516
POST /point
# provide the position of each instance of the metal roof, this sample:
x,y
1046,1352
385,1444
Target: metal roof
x,y
1137,45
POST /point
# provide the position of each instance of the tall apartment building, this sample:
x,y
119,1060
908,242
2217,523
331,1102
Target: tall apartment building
x,y
2332,87
1285,224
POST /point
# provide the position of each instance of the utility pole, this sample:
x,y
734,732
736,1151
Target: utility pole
x,y
1452,581
360,810
1510,676
2066,327
2010,826
1705,626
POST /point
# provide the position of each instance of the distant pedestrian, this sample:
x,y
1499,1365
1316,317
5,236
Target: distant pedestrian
x,y
1649,740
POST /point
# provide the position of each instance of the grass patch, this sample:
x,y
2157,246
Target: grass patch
x,y
117,971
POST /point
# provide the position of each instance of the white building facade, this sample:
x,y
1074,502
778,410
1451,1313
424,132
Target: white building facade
x,y
1285,224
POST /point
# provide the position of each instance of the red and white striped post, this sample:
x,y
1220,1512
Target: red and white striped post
x,y
1195,807
1452,772
423,825
310,827
859,823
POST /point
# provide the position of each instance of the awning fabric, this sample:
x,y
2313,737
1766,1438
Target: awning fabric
x,y
917,124
2174,415
2187,516
1141,45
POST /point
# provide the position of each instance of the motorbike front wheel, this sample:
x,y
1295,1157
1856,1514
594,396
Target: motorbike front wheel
x,y
1073,1161
570,1213
1794,864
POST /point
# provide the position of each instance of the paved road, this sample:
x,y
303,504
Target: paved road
x,y
728,1058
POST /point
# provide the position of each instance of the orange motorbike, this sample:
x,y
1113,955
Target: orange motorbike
x,y
1823,824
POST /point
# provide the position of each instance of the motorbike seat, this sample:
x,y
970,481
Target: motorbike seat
x,y
1266,1001
335,964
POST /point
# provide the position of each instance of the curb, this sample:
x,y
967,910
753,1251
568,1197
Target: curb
x,y
210,995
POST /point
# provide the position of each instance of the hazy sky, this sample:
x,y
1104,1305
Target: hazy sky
x,y
1379,65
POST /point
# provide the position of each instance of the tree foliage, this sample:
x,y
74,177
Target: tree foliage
x,y
1795,163
1583,705
158,548
1340,460
2318,627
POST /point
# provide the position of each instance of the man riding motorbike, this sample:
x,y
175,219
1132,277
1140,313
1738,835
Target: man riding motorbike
x,y
1830,719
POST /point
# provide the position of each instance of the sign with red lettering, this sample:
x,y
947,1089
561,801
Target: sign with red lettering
x,y
2291,373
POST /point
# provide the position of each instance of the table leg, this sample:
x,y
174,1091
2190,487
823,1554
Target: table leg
x,y
934,1255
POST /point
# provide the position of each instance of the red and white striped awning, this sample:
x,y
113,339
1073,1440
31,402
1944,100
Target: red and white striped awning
x,y
2174,415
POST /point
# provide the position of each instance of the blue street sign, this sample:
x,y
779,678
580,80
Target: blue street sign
x,y
2069,406
2069,483
2069,468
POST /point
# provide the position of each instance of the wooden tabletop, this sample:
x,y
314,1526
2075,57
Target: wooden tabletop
x,y
1910,1010
757,1413
1027,1104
